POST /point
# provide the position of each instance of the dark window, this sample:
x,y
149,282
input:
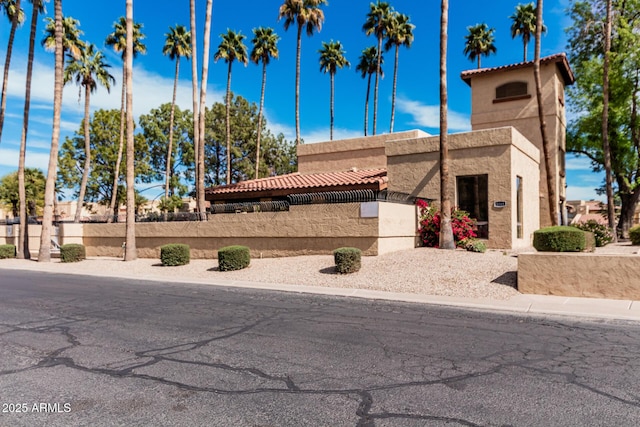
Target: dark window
x,y
511,90
473,197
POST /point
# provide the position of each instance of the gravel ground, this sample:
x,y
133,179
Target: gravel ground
x,y
421,270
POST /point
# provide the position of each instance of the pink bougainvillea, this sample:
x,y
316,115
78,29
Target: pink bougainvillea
x,y
429,225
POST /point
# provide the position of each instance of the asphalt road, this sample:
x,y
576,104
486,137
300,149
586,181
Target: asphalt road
x,y
87,351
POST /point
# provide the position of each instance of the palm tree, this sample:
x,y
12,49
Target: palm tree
x,y
446,231
230,49
130,251
265,47
201,113
611,214
118,41
546,144
377,23
71,42
524,24
16,16
177,45
479,41
399,33
87,71
44,253
194,98
331,58
367,66
23,238
306,14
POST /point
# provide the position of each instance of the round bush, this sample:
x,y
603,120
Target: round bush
x,y
175,254
474,245
72,252
559,239
234,257
347,260
634,235
7,251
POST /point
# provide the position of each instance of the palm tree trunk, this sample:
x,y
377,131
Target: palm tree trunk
x,y
171,117
113,210
87,154
194,94
23,237
546,145
366,106
375,90
228,122
131,251
525,49
611,214
393,93
331,106
298,51
7,63
44,253
203,99
446,232
259,133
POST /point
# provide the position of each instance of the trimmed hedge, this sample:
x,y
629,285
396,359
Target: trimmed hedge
x,y
175,254
234,257
72,252
347,260
559,238
634,235
7,251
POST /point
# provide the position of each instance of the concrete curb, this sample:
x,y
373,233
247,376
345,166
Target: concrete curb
x,y
593,308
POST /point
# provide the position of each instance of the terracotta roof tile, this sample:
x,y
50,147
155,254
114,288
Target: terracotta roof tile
x,y
559,58
580,218
297,181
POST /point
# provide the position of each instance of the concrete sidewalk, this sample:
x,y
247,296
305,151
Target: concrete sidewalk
x,y
523,303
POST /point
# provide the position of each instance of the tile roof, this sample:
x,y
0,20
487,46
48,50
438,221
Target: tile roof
x,y
559,58
295,181
580,218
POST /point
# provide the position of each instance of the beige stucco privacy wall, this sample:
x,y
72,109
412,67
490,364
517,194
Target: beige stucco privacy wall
x,y
303,230
580,275
9,235
360,153
413,168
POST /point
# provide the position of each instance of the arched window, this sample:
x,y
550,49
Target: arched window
x,y
512,90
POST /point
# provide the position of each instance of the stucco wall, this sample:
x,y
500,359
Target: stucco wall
x,y
413,167
580,275
397,225
523,115
361,153
524,163
304,230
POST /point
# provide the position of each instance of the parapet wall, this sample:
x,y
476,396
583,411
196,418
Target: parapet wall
x,y
580,275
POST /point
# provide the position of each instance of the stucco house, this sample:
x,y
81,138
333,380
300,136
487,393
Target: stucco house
x,y
497,169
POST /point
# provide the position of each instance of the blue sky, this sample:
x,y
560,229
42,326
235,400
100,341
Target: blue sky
x,y
417,103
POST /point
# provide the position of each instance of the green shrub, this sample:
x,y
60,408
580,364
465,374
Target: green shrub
x,y
474,245
601,232
7,251
175,254
560,238
233,258
634,235
72,252
347,260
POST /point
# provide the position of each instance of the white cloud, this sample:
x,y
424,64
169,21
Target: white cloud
x,y
429,115
582,193
9,157
150,90
578,163
322,135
